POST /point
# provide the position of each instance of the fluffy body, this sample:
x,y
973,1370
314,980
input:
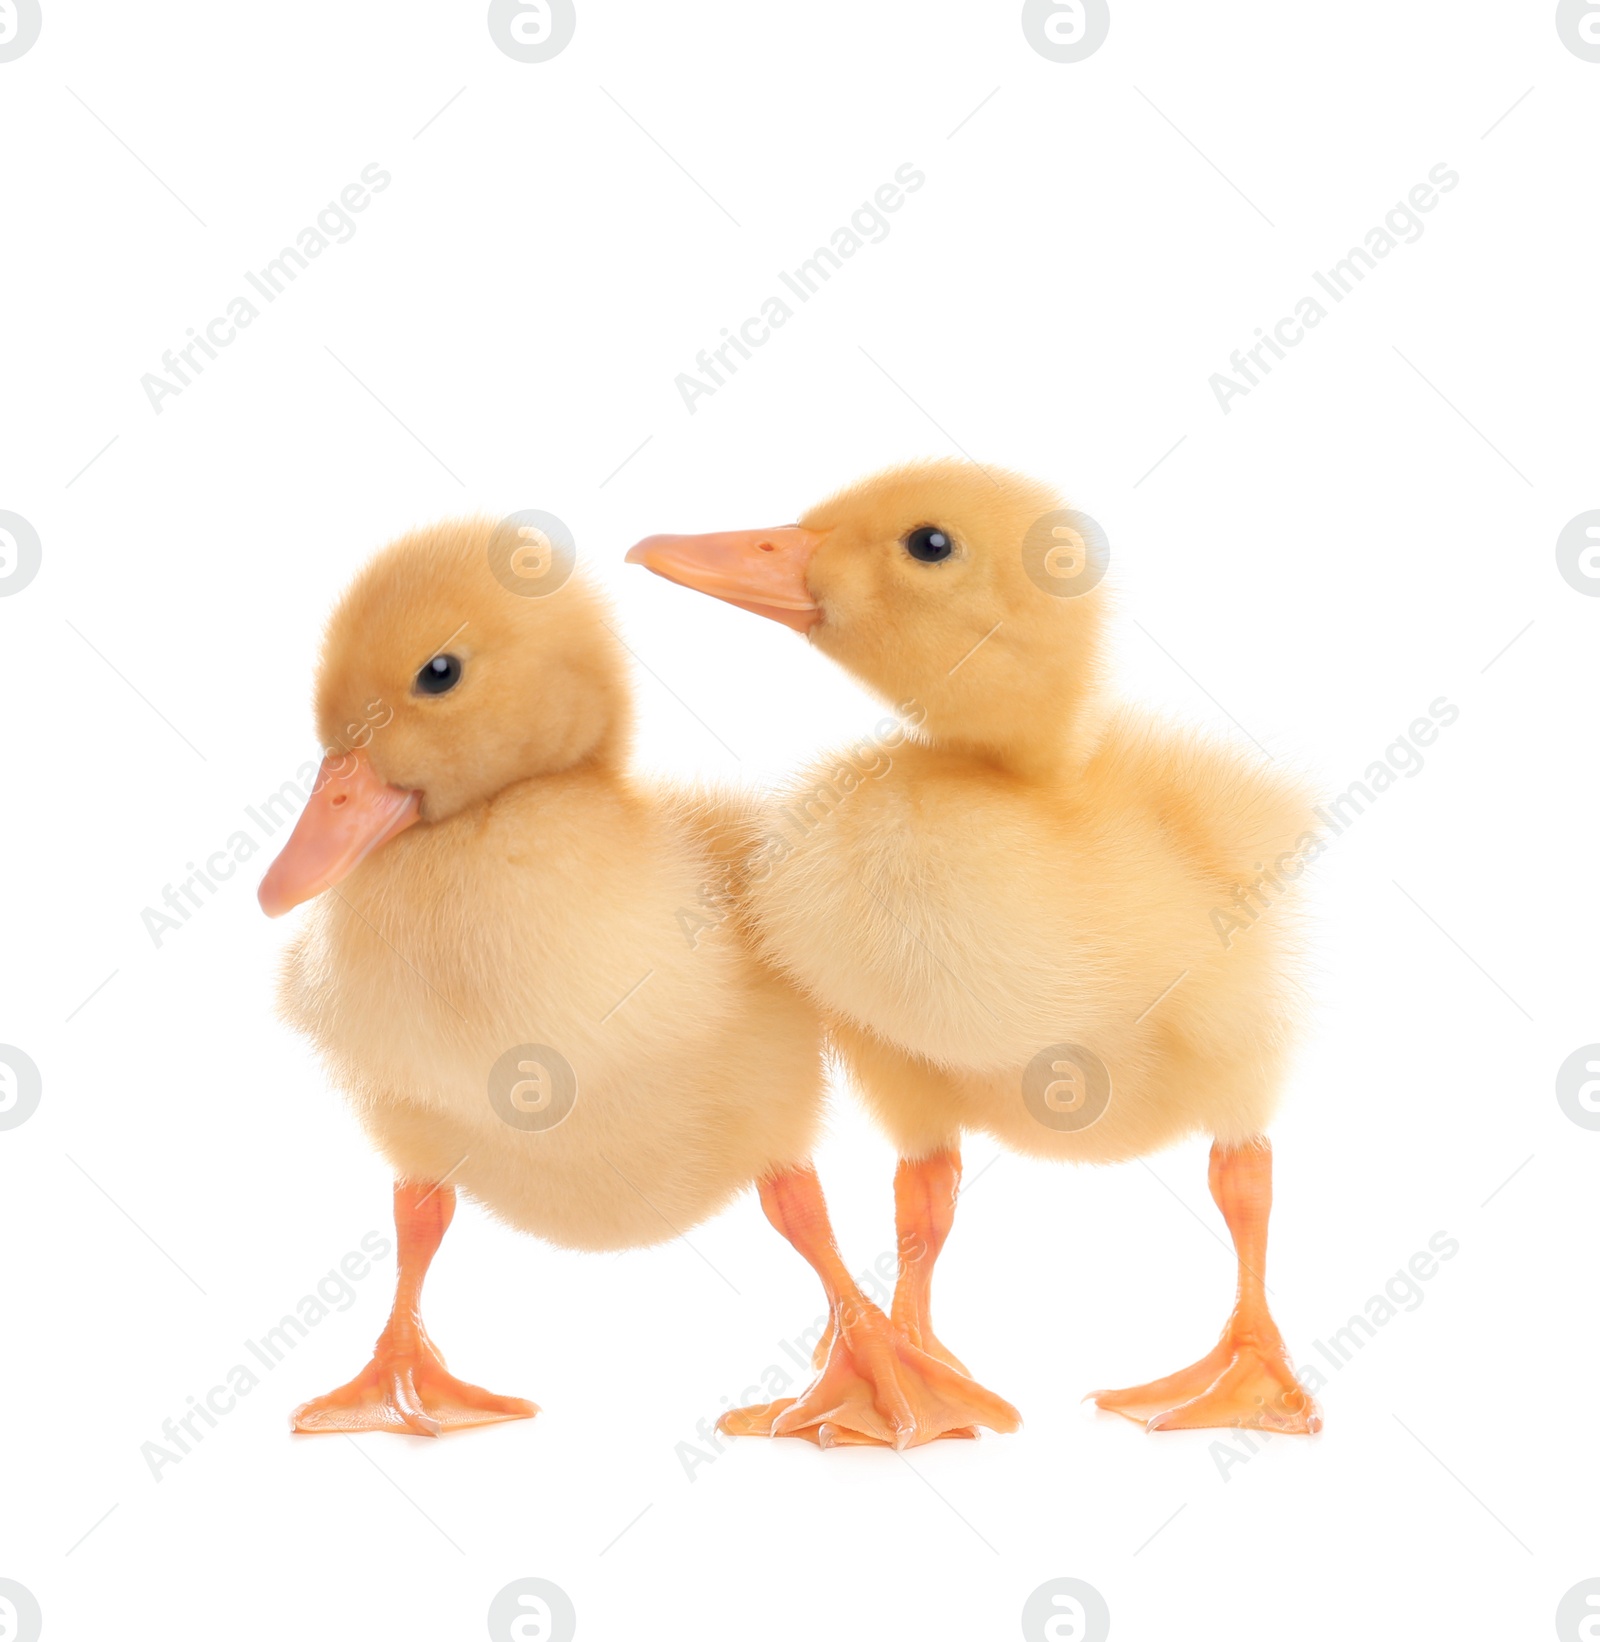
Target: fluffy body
x,y
1037,867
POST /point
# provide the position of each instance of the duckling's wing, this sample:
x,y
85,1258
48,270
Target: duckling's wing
x,y
1225,807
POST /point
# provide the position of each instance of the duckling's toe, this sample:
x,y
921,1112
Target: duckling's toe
x,y
407,1389
1243,1382
756,1420
877,1387
922,1336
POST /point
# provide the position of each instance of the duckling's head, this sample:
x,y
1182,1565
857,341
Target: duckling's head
x,y
970,592
448,673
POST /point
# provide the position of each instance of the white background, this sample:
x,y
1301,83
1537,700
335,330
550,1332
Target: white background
x,y
1349,543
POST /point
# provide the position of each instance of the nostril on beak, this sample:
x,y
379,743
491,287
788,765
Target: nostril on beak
x,y
340,798
768,547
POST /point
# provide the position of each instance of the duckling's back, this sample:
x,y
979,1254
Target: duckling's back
x,y
1230,815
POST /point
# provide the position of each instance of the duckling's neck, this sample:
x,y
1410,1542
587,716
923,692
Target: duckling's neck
x,y
1048,749
599,771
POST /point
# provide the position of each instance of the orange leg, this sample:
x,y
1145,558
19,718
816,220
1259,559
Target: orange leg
x,y
1246,1379
875,1385
925,1192
405,1387
924,1211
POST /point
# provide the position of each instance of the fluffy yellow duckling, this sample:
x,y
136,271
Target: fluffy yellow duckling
x,y
1015,929
496,973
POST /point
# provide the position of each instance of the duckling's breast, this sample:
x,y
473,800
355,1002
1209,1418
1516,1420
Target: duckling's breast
x,y
981,926
534,1003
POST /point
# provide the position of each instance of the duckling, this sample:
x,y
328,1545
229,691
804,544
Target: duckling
x,y
1027,925
495,971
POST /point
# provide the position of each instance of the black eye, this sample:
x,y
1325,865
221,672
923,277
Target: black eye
x,y
441,674
928,545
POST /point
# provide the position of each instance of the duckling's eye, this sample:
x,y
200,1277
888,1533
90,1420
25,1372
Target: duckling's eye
x,y
929,545
441,674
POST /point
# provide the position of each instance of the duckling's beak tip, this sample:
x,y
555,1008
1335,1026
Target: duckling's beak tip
x,y
351,812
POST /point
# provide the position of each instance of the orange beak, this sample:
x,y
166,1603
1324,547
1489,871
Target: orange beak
x,y
351,812
759,570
